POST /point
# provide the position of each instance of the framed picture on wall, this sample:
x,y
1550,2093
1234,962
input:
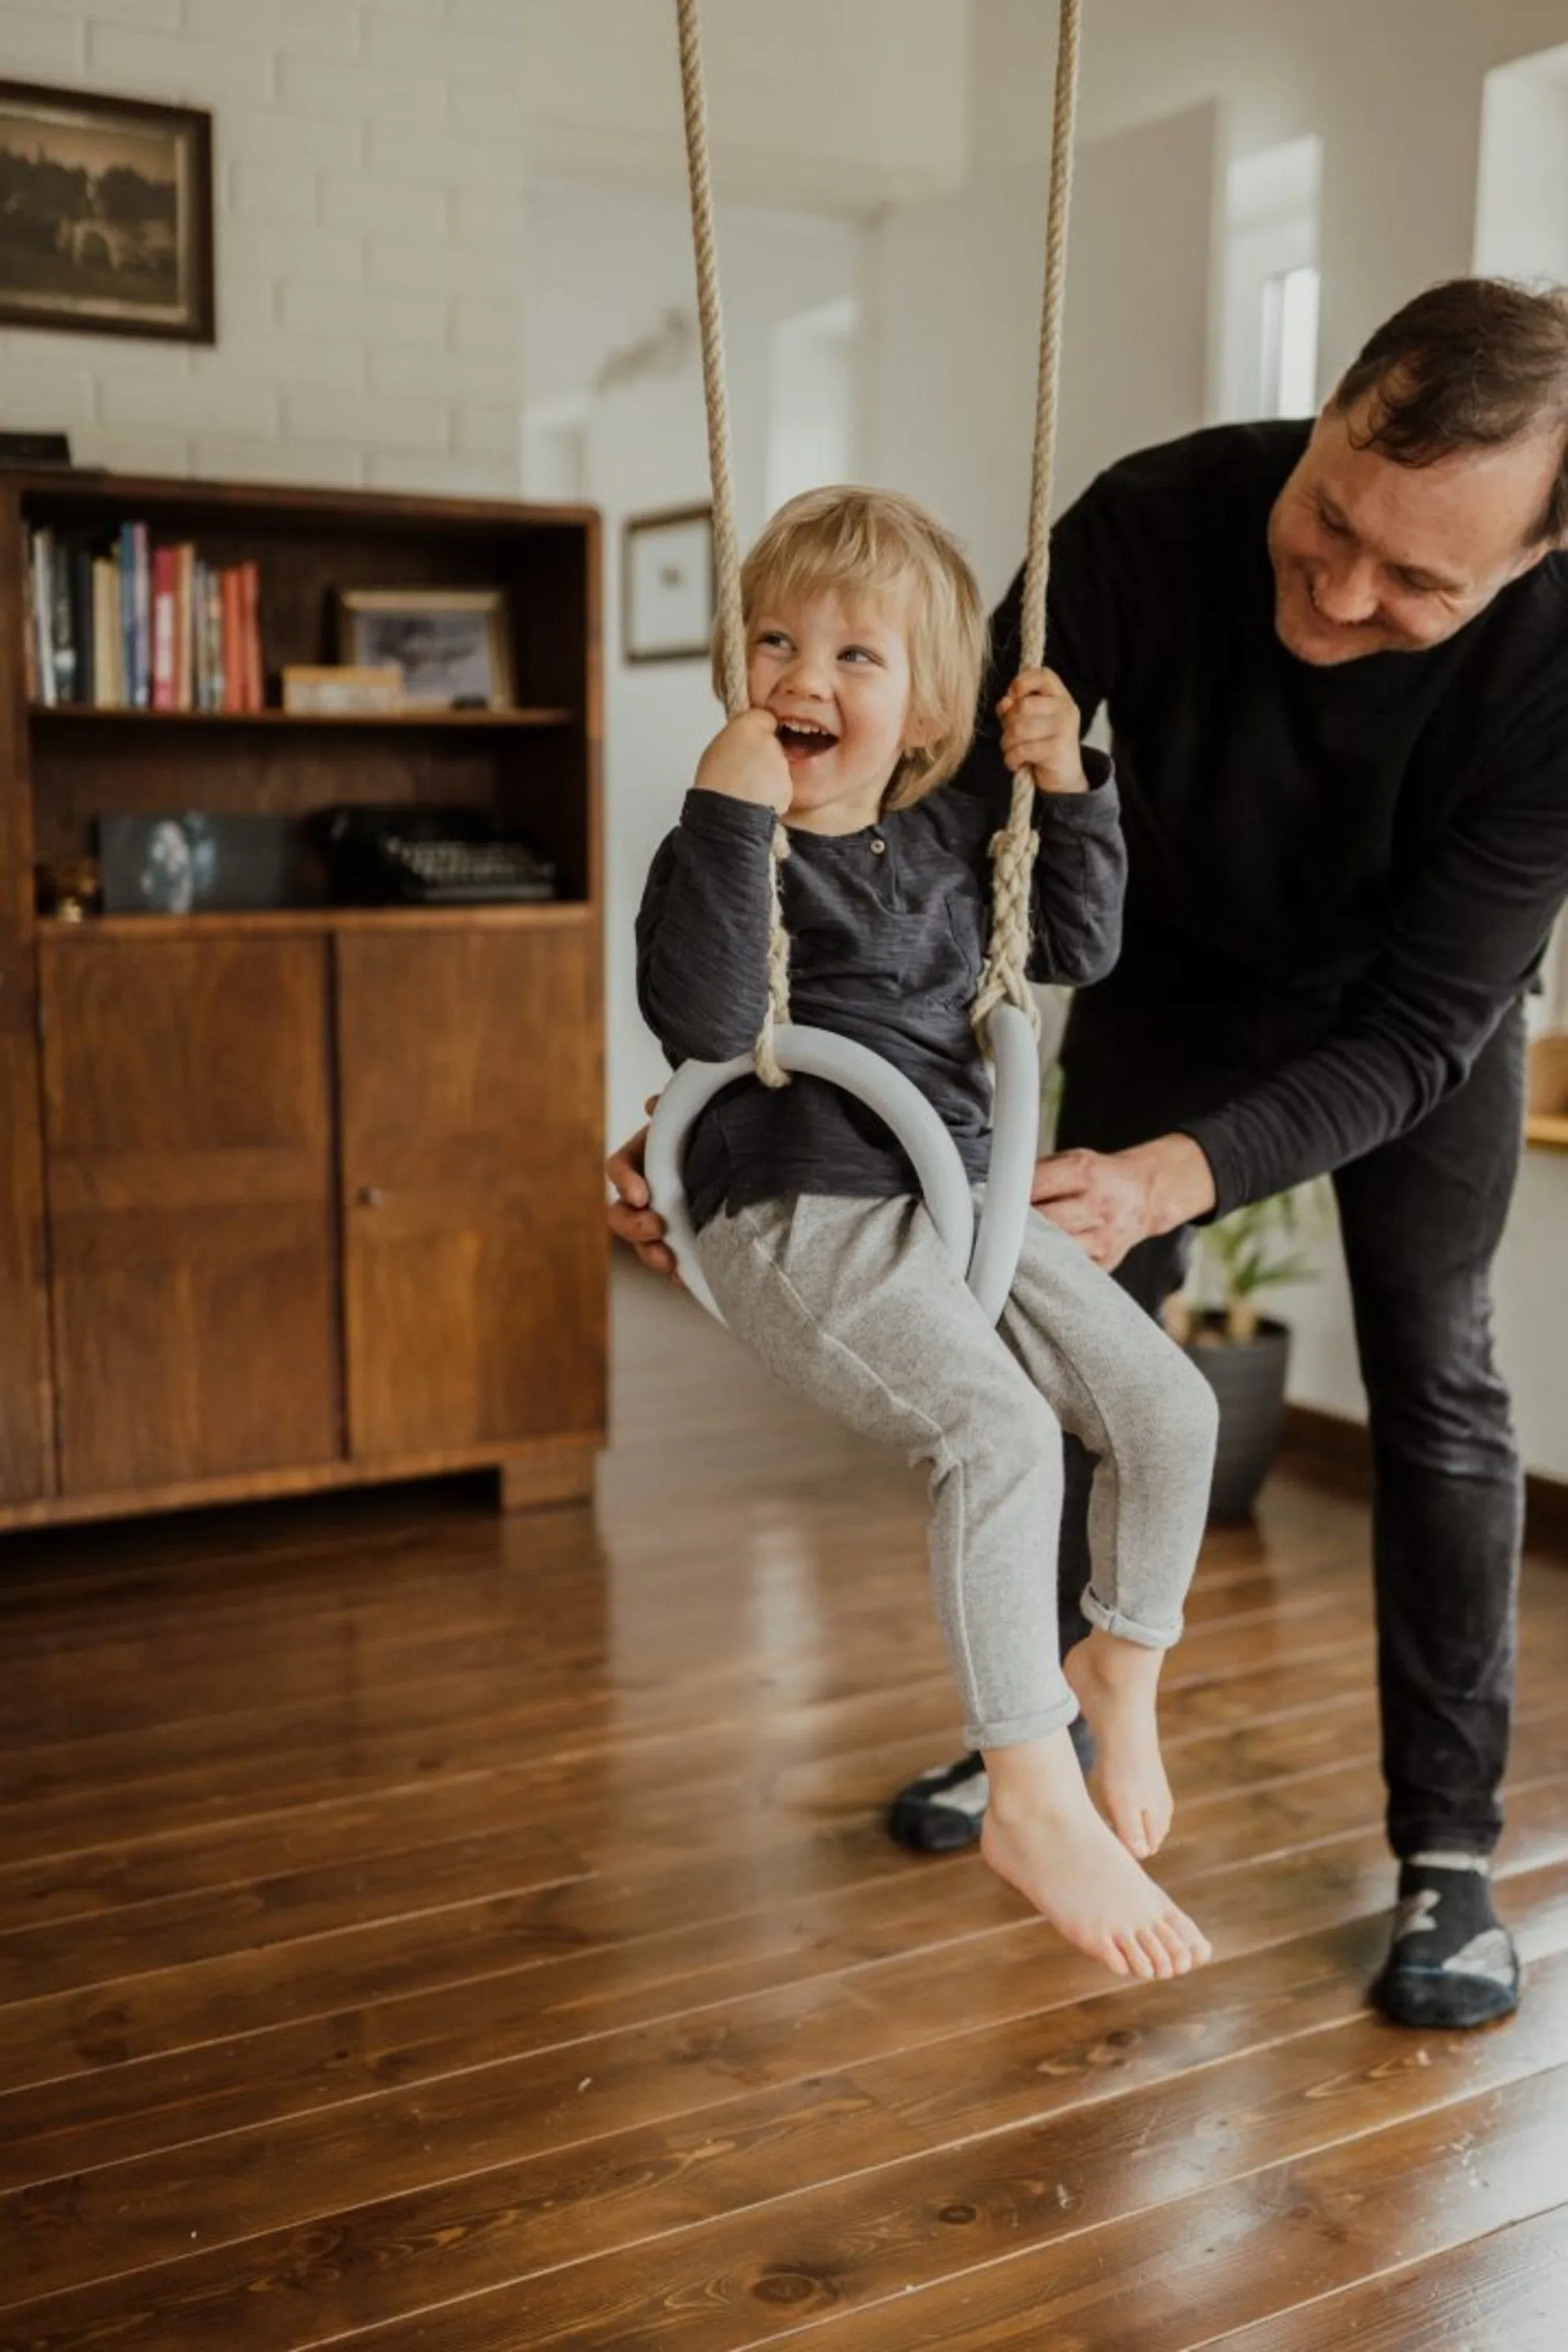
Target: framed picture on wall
x,y
667,585
106,214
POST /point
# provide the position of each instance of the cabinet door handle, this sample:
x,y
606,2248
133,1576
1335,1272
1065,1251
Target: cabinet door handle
x,y
369,1196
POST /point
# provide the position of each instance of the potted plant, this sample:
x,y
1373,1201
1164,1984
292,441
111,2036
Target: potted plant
x,y
1242,1354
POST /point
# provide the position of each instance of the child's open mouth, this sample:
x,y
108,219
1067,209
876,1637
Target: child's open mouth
x,y
802,738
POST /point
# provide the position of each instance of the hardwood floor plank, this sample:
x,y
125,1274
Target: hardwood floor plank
x,y
598,2194
252,1756
258,1915
943,2084
1170,2279
1503,2293
280,2070
749,2278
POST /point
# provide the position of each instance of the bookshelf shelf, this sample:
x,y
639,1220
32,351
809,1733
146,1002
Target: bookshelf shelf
x,y
321,922
115,714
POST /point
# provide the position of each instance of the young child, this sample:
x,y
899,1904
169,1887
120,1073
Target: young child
x,y
866,639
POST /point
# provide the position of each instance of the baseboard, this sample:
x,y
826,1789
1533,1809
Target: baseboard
x,y
1333,1447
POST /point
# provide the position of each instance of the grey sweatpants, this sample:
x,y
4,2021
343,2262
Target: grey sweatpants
x,y
857,1305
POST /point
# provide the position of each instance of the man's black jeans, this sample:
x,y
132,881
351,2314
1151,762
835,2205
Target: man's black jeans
x,y
1420,1219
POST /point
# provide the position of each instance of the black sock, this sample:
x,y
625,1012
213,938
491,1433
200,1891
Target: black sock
x,y
1452,1961
944,1808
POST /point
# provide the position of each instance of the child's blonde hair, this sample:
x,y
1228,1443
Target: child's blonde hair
x,y
880,541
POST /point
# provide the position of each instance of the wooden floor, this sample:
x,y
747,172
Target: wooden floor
x,y
423,1931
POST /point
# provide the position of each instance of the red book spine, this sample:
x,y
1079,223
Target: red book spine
x,y
251,576
232,683
163,628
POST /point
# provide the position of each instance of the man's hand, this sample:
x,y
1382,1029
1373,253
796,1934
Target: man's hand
x,y
1040,731
631,1219
1111,1201
745,761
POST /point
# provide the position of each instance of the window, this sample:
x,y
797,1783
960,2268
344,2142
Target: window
x,y
1268,358
1288,373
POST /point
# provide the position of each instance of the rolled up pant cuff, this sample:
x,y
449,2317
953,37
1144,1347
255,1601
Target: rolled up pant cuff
x,y
1128,1629
1011,1731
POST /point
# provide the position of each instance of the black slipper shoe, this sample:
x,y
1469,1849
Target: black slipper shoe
x,y
1452,1962
942,1810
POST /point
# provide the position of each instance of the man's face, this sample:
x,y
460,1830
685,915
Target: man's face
x,y
1372,557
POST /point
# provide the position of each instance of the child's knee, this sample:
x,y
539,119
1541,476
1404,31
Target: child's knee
x,y
1193,1409
1170,1409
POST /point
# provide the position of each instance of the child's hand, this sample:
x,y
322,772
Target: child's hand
x,y
1040,731
745,763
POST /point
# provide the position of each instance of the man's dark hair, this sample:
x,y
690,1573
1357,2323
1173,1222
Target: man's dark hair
x,y
1473,363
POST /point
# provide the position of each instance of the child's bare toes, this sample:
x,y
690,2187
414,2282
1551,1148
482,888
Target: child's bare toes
x,y
1047,1839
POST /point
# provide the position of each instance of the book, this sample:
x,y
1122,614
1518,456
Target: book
x,y
184,565
133,626
82,622
162,567
110,681
62,644
228,599
43,609
125,553
103,627
142,618
250,574
214,617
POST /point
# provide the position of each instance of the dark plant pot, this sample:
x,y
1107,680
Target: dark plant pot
x,y
1248,1376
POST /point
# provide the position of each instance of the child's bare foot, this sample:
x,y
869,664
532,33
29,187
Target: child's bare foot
x,y
1043,1835
1114,1682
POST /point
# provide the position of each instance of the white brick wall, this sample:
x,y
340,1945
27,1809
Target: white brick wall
x,y
370,228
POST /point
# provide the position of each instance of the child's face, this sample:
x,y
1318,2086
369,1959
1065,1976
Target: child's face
x,y
834,669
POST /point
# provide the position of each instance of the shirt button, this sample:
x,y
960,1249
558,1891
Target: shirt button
x,y
878,845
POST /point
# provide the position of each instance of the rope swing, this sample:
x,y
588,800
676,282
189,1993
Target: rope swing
x,y
1005,1013
731,623
1013,851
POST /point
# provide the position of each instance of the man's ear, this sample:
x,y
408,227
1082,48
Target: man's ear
x,y
1534,555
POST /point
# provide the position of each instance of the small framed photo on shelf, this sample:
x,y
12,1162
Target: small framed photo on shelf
x,y
106,214
667,585
342,692
451,646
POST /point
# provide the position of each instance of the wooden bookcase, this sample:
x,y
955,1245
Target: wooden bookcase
x,y
312,1197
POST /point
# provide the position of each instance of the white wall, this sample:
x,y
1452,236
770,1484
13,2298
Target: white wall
x,y
369,232
831,105
1522,208
1392,88
953,329
606,266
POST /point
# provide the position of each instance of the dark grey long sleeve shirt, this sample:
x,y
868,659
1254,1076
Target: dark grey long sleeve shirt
x,y
888,930
1340,878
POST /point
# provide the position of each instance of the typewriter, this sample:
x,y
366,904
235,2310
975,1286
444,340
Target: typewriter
x,y
429,857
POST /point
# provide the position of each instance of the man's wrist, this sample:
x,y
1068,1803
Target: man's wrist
x,y
1178,1182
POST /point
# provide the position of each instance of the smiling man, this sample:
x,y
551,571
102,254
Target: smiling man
x,y
1334,659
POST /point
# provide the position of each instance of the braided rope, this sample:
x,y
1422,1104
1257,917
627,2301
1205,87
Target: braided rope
x,y
1012,850
732,627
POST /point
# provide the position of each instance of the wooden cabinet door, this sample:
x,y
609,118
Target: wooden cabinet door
x,y
191,1209
469,1089
24,1468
